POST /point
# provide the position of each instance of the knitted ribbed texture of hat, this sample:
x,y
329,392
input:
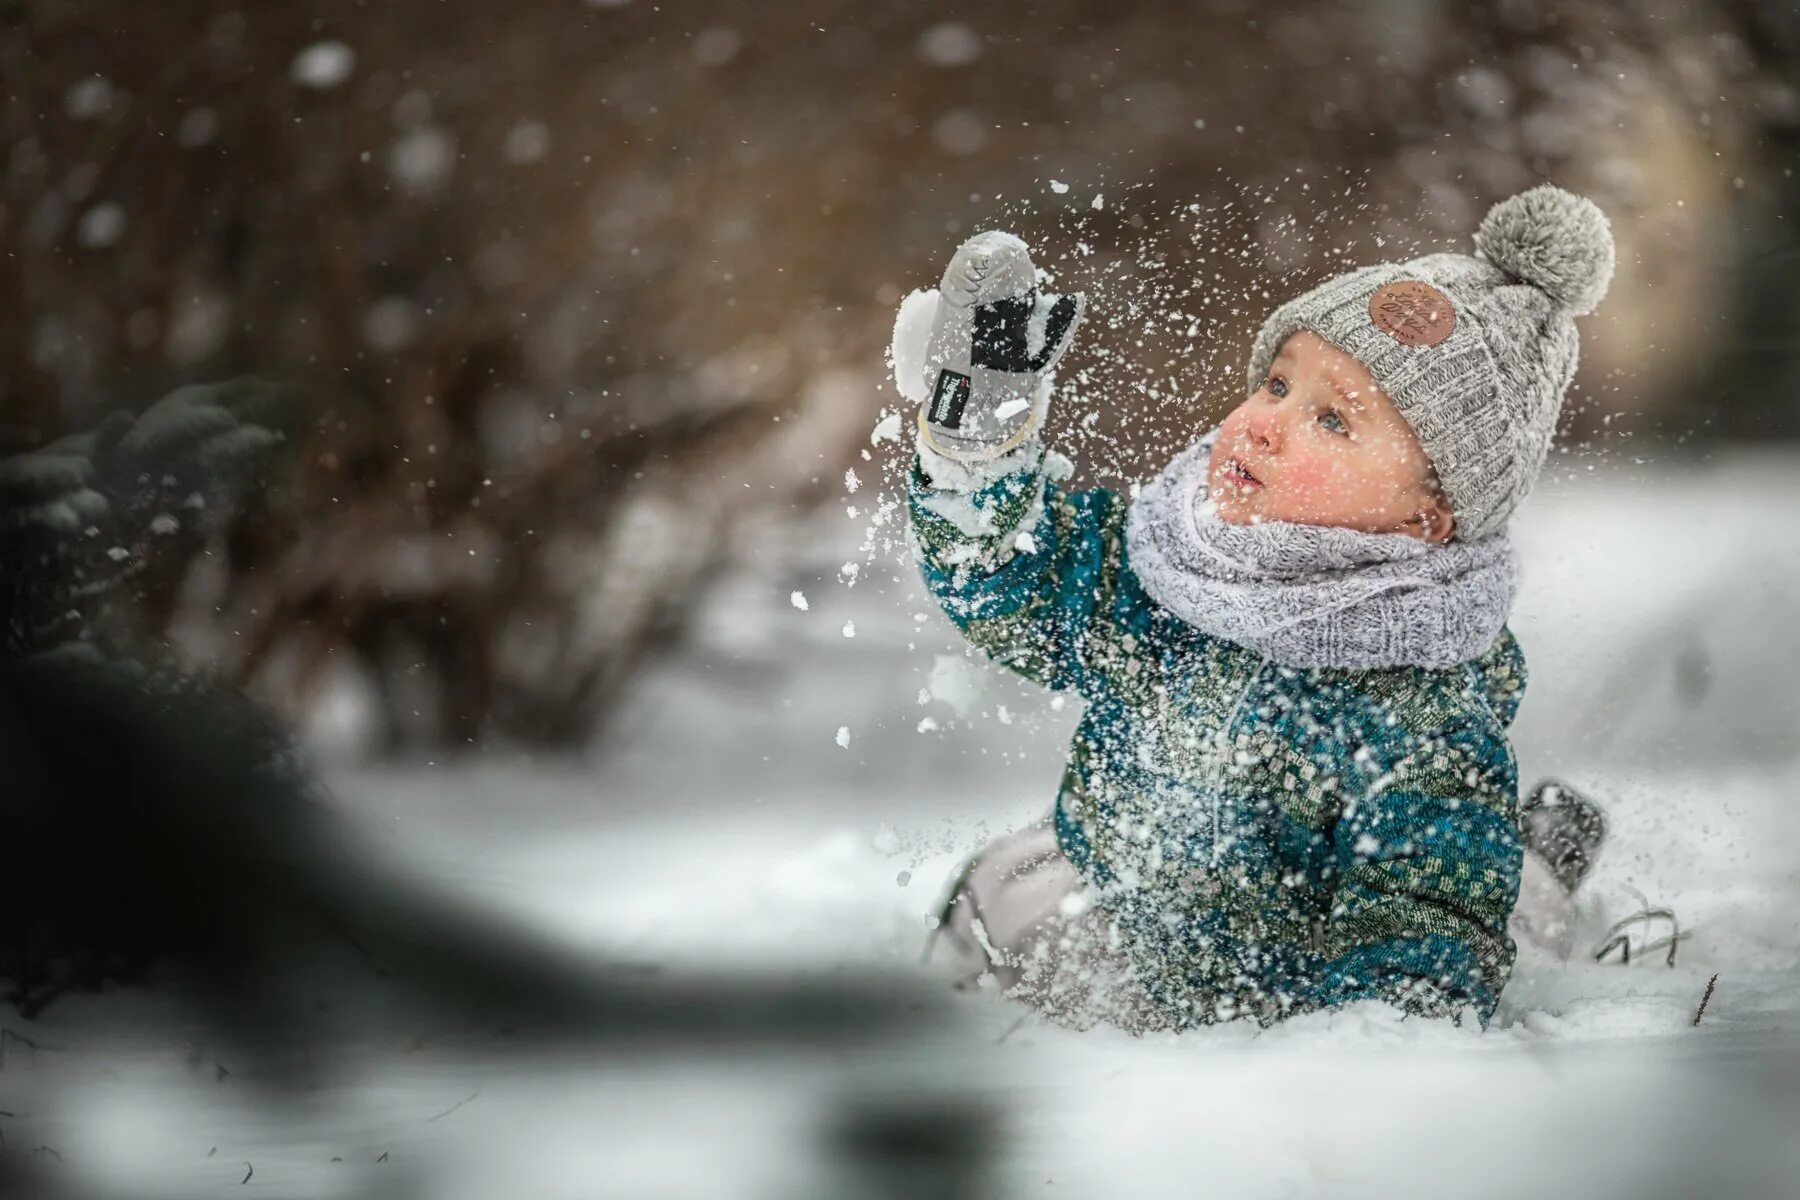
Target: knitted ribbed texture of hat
x,y
1484,397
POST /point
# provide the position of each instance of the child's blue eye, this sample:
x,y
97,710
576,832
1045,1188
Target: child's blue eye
x,y
1331,414
1278,385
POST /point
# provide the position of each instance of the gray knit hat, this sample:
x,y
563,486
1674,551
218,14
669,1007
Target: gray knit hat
x,y
1476,351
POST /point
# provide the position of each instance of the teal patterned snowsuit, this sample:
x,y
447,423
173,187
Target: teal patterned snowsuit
x,y
1273,840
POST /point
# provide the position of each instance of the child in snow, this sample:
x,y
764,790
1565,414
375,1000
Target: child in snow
x,y
1292,786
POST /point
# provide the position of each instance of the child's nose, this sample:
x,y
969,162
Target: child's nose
x,y
1264,425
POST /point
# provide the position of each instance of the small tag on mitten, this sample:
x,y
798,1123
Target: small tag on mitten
x,y
948,399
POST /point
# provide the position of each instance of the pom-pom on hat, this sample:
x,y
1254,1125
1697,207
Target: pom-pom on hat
x,y
1476,351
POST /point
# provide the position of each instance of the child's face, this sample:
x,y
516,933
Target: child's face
x,y
1323,445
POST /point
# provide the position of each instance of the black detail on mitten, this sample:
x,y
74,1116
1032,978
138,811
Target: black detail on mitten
x,y
1056,328
1002,333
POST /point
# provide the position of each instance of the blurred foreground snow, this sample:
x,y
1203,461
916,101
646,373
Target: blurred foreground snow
x,y
726,823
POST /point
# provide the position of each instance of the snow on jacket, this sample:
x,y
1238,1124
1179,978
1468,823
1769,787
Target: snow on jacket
x,y
1274,840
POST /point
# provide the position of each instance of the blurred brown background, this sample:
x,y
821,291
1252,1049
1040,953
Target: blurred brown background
x,y
578,288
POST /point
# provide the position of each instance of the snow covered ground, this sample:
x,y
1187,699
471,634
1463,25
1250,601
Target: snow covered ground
x,y
731,821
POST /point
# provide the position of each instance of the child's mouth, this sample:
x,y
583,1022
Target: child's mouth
x,y
1237,474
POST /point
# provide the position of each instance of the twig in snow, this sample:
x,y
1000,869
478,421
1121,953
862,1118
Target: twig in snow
x,y
1619,938
247,1174
1701,1011
455,1106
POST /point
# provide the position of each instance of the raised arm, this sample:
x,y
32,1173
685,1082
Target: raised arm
x,y
1033,575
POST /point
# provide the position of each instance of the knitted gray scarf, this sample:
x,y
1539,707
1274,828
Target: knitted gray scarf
x,y
1315,595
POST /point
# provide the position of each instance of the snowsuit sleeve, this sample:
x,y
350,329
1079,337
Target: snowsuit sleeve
x,y
1427,871
1034,576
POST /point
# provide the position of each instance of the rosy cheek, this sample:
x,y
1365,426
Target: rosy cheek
x,y
1310,475
1231,431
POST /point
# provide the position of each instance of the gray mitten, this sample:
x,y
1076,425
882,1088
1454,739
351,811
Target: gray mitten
x,y
994,341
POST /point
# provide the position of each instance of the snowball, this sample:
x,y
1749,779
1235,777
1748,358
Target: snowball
x,y
843,736
323,65
798,600
1058,186
886,430
849,629
1099,200
1025,543
1011,408
851,482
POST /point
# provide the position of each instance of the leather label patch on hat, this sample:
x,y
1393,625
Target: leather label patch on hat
x,y
1412,312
